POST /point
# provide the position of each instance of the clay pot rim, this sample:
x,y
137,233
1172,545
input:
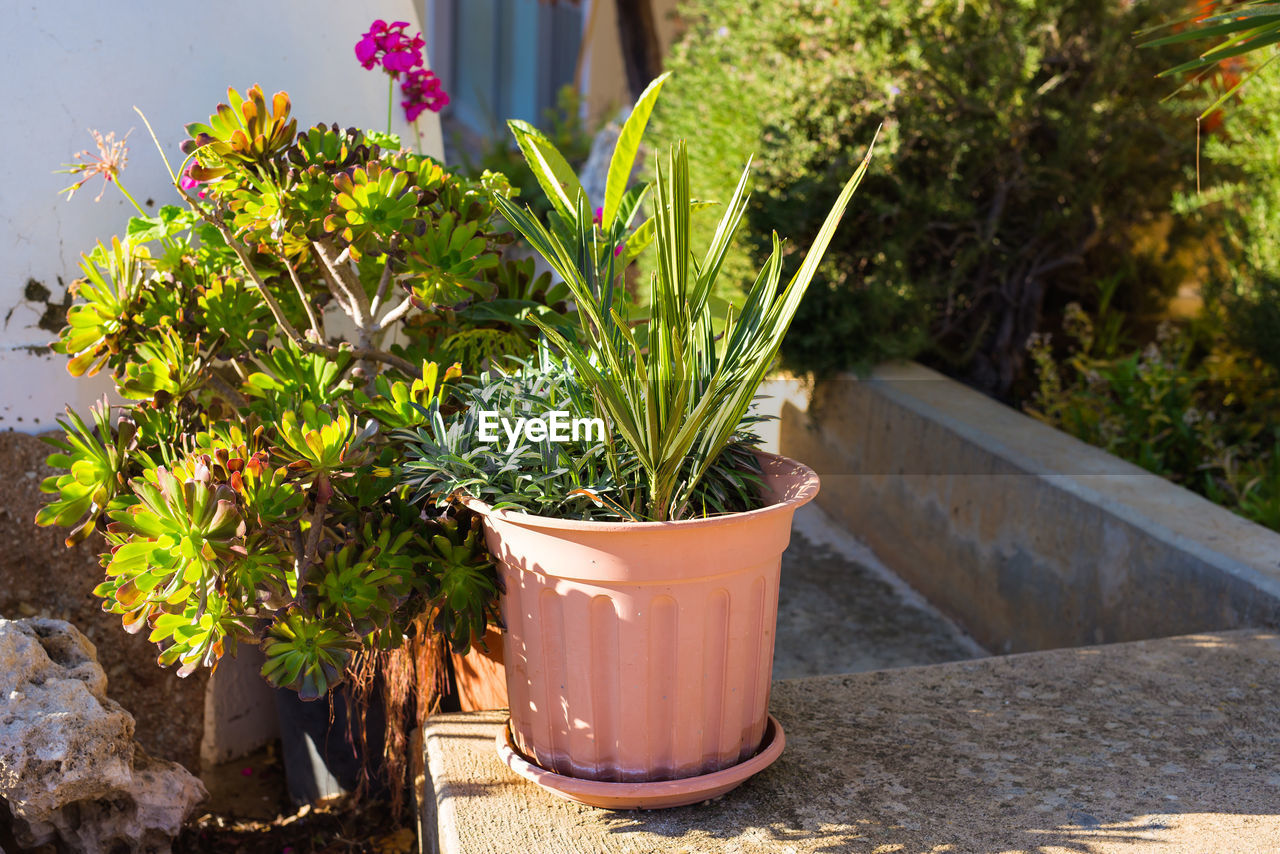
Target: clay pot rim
x,y
771,463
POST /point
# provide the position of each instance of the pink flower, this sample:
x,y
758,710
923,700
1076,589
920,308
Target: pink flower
x,y
422,91
186,182
389,45
599,218
367,51
112,156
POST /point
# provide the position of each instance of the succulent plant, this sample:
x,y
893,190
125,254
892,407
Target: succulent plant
x,y
110,289
252,483
463,585
95,471
243,133
306,654
373,201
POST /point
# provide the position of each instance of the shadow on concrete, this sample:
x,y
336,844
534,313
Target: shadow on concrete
x,y
1168,745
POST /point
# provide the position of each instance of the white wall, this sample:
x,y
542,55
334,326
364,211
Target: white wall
x,y
80,64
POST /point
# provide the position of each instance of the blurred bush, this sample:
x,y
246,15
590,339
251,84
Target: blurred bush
x,y
1189,406
1025,144
1241,180
497,151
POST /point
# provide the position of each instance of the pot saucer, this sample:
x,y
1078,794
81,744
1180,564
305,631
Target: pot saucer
x,y
644,796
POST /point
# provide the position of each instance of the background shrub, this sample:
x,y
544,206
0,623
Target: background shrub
x,y
1189,405
1025,143
1241,180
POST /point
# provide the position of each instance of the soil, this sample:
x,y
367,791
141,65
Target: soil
x,y
248,812
40,576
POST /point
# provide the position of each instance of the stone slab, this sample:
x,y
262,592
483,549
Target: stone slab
x,y
841,611
1158,746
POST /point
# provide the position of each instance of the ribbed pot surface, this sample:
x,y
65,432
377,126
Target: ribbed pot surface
x,y
643,651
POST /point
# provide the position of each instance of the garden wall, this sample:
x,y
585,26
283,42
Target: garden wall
x,y
1028,537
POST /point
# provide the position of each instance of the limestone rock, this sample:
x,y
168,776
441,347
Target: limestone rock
x,y
69,767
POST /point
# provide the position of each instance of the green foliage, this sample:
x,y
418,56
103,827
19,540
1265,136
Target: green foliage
x,y
307,653
371,199
1242,198
446,457
671,390
463,588
95,471
1189,406
250,481
449,456
1023,140
1244,29
110,288
242,134
562,126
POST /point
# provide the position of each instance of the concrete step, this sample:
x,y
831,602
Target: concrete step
x,y
842,611
1168,745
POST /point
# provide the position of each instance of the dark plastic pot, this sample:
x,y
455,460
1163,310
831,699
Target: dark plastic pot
x,y
320,758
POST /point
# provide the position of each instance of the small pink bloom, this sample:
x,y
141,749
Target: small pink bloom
x,y
422,91
367,51
401,60
388,45
599,218
246,772
617,250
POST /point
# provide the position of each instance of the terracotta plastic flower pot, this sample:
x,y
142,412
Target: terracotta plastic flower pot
x,y
642,652
479,678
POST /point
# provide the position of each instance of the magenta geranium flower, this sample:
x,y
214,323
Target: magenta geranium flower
x,y
422,91
390,46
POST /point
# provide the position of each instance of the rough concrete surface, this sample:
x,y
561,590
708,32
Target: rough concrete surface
x,y
71,774
1158,746
39,576
1026,536
841,611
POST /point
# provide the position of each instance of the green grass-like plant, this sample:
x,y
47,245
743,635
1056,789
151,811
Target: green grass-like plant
x,y
671,388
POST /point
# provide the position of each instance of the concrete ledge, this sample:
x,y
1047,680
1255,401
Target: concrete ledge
x,y
1162,745
1028,537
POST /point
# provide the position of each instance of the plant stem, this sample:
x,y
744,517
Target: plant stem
x,y
391,96
363,352
225,389
172,175
339,276
129,196
306,303
323,492
395,314
385,279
